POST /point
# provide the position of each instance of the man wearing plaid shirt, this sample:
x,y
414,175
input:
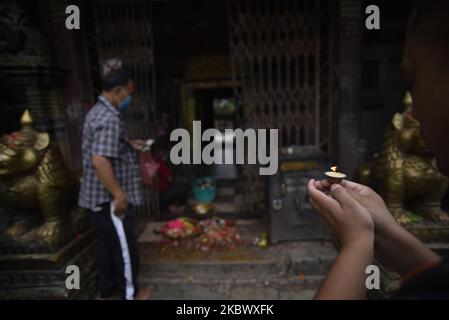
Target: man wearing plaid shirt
x,y
111,185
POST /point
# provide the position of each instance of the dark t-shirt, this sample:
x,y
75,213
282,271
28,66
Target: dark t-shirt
x,y
430,284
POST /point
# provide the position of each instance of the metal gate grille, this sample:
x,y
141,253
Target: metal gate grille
x,y
281,48
122,28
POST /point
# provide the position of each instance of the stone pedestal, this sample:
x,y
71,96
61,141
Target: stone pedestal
x,y
43,276
430,232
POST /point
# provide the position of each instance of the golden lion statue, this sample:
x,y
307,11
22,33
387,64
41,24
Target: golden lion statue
x,y
34,178
405,172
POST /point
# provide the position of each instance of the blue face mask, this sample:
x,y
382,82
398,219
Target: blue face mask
x,y
125,104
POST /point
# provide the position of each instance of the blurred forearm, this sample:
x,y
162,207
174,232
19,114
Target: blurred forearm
x,y
346,278
401,251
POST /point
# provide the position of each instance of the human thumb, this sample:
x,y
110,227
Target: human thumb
x,y
356,195
342,196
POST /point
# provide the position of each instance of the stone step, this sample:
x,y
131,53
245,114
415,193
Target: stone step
x,y
291,259
289,270
225,191
237,264
191,288
224,207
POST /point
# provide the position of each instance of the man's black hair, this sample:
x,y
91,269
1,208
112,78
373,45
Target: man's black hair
x,y
115,78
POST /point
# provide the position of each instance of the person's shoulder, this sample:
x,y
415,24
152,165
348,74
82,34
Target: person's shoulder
x,y
94,111
99,116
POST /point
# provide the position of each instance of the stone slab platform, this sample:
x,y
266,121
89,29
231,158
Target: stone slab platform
x,y
290,270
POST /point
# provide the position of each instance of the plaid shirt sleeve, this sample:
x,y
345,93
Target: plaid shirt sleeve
x,y
106,140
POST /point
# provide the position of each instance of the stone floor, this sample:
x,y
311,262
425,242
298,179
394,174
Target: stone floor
x,y
290,270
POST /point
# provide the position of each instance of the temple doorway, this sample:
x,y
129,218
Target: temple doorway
x,y
270,62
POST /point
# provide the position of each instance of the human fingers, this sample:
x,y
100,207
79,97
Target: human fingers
x,y
122,210
120,206
330,220
118,210
356,195
353,185
343,197
325,202
322,185
315,205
